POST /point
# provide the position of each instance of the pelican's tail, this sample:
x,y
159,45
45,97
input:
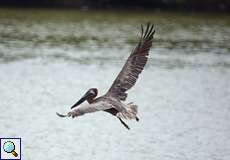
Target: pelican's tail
x,y
129,113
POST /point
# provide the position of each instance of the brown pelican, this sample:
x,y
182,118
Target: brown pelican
x,y
111,102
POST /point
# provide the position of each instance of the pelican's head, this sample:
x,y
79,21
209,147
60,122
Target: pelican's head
x,y
89,96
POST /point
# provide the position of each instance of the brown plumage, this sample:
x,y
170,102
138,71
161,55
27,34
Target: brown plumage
x,y
126,79
133,66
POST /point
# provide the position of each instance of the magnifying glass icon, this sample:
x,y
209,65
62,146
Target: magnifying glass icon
x,y
9,147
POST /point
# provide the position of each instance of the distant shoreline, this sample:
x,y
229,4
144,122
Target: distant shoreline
x,y
146,5
153,10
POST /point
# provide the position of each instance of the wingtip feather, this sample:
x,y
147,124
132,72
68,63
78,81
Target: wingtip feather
x,y
142,30
149,31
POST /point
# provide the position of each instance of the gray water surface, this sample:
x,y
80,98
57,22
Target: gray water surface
x,y
49,58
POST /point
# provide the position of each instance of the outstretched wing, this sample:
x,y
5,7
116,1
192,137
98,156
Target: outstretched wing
x,y
133,66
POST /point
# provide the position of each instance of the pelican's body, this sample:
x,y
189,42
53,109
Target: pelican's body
x,y
111,102
107,104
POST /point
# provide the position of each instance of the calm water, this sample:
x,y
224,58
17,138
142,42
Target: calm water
x,y
49,58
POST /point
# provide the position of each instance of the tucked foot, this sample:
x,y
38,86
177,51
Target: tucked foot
x,y
73,114
61,115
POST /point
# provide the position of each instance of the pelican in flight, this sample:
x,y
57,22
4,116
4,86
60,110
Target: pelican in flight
x,y
112,101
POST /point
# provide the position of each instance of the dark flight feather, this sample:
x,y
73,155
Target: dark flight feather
x,y
133,66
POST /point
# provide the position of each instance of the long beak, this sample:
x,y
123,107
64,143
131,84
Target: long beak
x,y
81,100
